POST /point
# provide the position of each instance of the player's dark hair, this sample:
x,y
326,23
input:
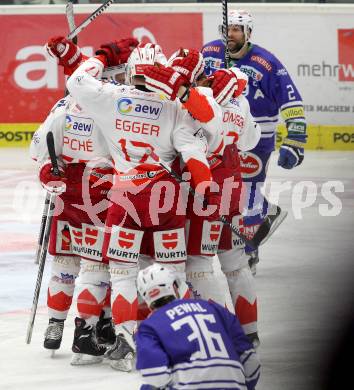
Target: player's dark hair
x,y
162,301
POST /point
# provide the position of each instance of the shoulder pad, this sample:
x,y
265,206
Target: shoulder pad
x,y
61,105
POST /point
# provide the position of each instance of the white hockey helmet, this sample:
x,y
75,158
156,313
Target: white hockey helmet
x,y
240,18
155,282
150,54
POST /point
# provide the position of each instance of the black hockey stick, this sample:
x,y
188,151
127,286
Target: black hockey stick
x,y
69,12
90,19
225,26
46,234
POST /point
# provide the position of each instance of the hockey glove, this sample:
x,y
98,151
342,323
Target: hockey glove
x,y
50,182
117,52
188,62
291,153
164,80
66,52
224,85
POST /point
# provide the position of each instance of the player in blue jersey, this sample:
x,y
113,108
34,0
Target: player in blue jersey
x,y
270,91
190,344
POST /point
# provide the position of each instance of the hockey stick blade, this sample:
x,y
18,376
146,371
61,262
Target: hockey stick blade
x,y
89,19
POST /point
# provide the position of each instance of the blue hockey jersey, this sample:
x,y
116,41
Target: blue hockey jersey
x,y
195,344
270,88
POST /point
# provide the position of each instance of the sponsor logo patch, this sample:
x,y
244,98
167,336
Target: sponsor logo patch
x,y
251,165
78,126
252,72
139,107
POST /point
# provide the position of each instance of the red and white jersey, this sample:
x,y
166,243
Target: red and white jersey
x,y
137,125
77,137
238,124
232,123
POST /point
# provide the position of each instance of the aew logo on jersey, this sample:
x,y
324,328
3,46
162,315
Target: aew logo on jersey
x,y
252,72
139,107
78,126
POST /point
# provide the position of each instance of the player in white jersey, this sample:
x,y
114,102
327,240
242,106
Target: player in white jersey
x,y
78,224
77,231
140,128
229,126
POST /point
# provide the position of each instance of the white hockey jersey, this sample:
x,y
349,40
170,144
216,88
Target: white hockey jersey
x,y
77,137
137,125
232,123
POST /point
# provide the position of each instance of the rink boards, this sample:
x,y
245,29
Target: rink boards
x,y
314,41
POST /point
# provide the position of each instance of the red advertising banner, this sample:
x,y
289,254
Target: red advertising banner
x,y
346,54
31,84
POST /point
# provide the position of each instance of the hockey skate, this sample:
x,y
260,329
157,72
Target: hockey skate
x,y
85,347
105,331
270,224
53,334
121,355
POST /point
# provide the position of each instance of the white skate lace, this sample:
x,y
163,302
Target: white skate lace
x,y
54,331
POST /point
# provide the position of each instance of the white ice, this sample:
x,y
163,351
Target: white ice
x,y
302,281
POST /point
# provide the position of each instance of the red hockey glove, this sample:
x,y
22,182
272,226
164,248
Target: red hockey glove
x,y
117,52
164,80
66,52
242,81
50,182
224,85
188,62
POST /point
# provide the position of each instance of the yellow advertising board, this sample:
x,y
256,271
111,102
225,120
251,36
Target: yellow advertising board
x,y
319,137
17,134
324,137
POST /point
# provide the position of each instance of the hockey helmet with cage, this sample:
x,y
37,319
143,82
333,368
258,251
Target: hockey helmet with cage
x,y
156,282
240,18
149,54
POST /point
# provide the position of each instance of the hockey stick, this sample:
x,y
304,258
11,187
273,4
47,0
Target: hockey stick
x,y
69,12
41,230
46,234
89,19
225,24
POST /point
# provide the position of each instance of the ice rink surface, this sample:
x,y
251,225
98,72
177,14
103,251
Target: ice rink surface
x,y
304,281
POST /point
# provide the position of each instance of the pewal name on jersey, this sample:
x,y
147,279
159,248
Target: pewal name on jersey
x,y
184,308
78,126
139,107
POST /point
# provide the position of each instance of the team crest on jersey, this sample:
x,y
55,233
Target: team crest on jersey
x,y
139,107
78,126
251,164
252,72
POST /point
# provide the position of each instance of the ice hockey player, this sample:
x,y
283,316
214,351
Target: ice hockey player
x,y
190,344
77,230
270,91
230,113
139,125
